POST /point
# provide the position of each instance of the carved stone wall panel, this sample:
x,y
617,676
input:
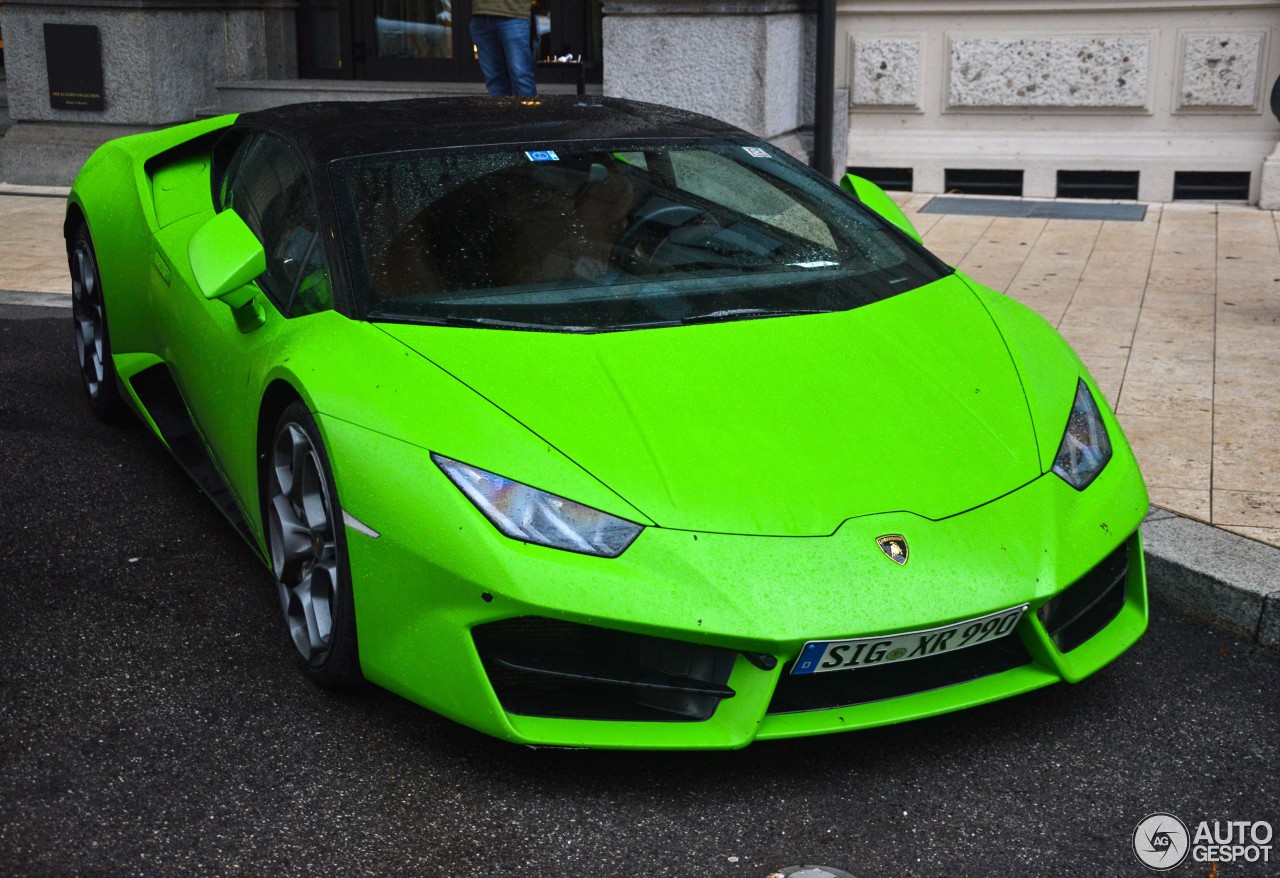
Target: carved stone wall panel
x,y
884,71
1087,72
1220,70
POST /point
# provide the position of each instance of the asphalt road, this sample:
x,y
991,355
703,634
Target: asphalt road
x,y
152,723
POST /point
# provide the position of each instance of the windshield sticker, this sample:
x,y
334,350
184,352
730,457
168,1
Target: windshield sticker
x,y
545,155
757,152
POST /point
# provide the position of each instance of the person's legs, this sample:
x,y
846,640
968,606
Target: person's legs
x,y
514,34
489,48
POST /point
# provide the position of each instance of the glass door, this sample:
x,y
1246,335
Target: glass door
x,y
430,40
413,39
567,28
324,50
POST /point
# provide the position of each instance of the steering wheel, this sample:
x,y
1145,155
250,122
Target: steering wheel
x,y
640,243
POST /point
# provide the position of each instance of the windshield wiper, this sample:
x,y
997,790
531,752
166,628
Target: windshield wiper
x,y
487,322
724,316
747,314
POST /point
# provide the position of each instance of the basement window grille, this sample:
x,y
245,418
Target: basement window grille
x,y
983,181
1211,186
1115,185
889,179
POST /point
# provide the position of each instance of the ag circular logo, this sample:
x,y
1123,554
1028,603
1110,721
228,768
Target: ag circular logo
x,y
1161,842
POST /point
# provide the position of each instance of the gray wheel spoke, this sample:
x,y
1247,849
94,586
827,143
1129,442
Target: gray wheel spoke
x,y
81,272
314,620
284,457
88,276
296,616
311,495
320,587
298,448
291,540
84,340
99,356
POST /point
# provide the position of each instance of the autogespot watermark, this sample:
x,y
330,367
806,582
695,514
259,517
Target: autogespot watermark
x,y
1163,842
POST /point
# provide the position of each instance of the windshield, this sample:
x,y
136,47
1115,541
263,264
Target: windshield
x,y
589,237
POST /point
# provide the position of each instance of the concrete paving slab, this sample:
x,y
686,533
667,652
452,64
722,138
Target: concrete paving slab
x,y
1177,316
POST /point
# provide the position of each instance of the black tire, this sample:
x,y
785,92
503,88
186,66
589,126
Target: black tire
x,y
307,542
89,323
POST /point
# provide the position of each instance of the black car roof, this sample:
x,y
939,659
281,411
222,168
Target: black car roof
x,y
328,130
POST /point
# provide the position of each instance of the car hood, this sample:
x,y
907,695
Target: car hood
x,y
779,426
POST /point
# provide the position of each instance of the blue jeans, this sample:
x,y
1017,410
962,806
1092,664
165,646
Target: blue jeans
x,y
506,55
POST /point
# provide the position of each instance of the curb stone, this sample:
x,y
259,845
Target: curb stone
x,y
36,300
1217,576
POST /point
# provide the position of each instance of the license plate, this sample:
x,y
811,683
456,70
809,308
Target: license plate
x,y
820,656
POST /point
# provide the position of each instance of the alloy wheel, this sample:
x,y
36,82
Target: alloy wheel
x,y
304,550
90,318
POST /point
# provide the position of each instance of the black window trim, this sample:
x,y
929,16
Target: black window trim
x,y
254,137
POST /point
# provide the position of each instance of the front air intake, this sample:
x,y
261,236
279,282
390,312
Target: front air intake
x,y
1087,605
551,668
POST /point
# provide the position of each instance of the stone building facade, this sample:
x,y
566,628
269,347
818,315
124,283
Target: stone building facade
x,y
1173,94
1148,99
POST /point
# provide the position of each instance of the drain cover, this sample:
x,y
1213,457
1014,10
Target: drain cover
x,y
810,872
1035,209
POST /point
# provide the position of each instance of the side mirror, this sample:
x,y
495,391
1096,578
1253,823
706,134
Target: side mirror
x,y
875,198
225,258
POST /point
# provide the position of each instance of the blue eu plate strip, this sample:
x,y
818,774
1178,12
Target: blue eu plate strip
x,y
809,658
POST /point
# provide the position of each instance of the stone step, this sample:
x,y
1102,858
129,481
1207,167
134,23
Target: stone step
x,y
243,97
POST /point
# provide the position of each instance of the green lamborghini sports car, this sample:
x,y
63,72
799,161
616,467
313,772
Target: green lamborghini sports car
x,y
595,423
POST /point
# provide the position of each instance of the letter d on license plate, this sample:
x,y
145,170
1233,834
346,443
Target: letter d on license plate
x,y
820,656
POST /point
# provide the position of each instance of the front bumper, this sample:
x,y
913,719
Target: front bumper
x,y
439,571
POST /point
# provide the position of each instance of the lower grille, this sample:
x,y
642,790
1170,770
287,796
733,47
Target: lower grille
x,y
799,692
1087,605
550,668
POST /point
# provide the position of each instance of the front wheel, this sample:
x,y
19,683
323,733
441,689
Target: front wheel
x,y
308,551
89,316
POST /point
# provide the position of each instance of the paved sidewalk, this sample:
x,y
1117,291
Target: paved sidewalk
x,y
1178,319
1177,316
33,257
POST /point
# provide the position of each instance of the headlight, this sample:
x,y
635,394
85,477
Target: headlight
x,y
1085,447
532,516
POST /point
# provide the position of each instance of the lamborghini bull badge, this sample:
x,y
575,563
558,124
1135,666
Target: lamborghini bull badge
x,y
894,546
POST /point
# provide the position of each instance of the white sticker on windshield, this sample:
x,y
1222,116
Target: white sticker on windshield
x,y
544,155
757,152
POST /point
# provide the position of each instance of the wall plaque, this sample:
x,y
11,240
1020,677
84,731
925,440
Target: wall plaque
x,y
73,57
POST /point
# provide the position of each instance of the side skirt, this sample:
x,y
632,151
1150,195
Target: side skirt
x,y
157,392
